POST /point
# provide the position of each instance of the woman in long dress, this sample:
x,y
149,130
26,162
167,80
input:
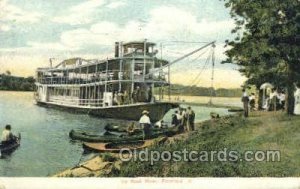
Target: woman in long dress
x,y
297,101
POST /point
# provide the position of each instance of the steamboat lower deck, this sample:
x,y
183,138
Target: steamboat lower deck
x,y
157,110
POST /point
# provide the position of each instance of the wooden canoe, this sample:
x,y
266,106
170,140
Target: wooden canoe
x,y
6,148
114,147
123,128
86,137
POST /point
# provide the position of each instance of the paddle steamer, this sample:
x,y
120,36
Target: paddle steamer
x,y
120,87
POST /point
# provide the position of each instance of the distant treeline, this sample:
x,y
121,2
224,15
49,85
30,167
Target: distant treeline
x,y
14,83
202,91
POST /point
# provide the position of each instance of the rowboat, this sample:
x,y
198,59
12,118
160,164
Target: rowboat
x,y
235,109
123,128
6,148
86,137
115,147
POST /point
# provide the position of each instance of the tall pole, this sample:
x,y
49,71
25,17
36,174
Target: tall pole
x,y
86,87
106,77
144,70
51,65
161,88
80,88
121,73
169,80
95,81
105,86
132,75
212,74
152,85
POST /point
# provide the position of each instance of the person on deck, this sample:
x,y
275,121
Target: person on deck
x,y
297,100
138,94
245,100
126,97
115,99
190,119
145,124
149,94
7,136
135,95
120,98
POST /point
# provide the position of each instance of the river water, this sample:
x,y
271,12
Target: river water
x,y
45,146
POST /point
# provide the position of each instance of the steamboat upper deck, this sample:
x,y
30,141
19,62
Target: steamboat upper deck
x,y
127,78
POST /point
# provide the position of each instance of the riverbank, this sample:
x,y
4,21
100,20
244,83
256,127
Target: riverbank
x,y
261,131
221,102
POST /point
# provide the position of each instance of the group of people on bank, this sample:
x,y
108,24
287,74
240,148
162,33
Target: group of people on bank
x,y
273,101
184,119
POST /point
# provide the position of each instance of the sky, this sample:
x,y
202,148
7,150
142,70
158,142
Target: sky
x,y
32,31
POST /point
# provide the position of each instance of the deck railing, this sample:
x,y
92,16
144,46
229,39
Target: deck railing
x,y
100,77
80,79
76,101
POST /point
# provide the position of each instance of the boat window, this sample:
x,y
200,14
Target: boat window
x,y
139,50
130,50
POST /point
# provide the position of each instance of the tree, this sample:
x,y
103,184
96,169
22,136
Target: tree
x,y
267,43
7,72
9,82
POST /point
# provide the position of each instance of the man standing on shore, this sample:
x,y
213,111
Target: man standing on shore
x,y
252,102
245,100
184,119
297,100
281,97
145,124
190,119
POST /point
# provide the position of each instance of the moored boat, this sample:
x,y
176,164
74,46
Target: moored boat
x,y
114,147
123,128
6,148
119,87
86,137
235,109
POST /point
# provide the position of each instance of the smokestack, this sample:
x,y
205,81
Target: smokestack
x,y
50,60
117,49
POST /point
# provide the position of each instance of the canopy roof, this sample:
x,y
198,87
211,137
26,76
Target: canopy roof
x,y
138,43
266,85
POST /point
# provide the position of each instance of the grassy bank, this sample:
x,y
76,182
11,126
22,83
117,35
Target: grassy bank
x,y
261,131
